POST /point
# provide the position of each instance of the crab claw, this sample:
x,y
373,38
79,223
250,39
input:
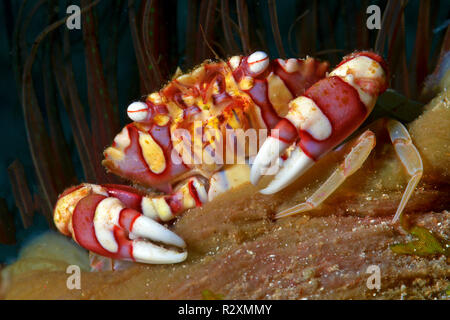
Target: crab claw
x,y
328,112
297,163
281,137
103,225
270,151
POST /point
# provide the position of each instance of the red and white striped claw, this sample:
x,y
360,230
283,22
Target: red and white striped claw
x,y
328,112
102,223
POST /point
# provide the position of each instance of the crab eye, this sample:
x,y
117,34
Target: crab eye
x,y
258,62
234,62
137,111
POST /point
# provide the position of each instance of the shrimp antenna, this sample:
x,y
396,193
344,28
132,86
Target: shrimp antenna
x,y
207,43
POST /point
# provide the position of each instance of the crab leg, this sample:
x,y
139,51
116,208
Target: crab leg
x,y
352,162
405,150
188,194
410,158
328,112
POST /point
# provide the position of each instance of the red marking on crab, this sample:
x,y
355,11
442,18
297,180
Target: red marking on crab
x,y
299,82
84,230
244,70
83,224
127,218
309,72
125,245
139,110
160,109
221,96
341,104
129,196
257,61
174,202
380,86
258,93
191,111
194,194
285,131
373,87
133,167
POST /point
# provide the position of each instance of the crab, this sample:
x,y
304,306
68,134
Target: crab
x,y
221,124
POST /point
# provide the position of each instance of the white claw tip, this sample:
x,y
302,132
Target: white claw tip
x,y
147,252
258,62
137,111
297,163
267,159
